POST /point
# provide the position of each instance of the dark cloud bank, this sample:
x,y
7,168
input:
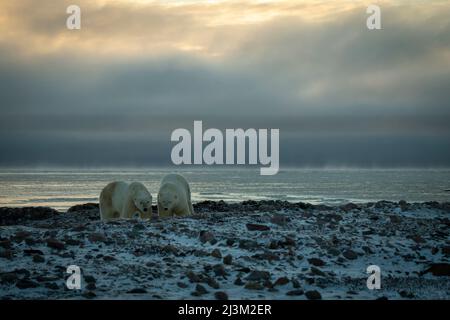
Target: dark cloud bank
x,y
340,95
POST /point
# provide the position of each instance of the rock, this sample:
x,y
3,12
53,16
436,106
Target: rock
x,y
403,205
42,278
350,254
72,242
84,207
229,242
219,270
297,292
238,282
220,295
38,258
89,279
139,227
273,245
17,216
258,275
170,249
280,220
212,283
32,242
295,283
446,250
23,272
182,285
91,286
97,237
6,253
268,284
137,291
288,242
349,207
318,272
5,244
192,276
333,251
281,281
88,295
438,269
257,227
108,258
228,259
253,285
406,294
244,269
8,277
313,295
206,236
216,253
267,255
383,204
248,244
26,284
55,244
395,219
20,236
200,289
367,250
418,239
82,227
51,286
316,262
32,252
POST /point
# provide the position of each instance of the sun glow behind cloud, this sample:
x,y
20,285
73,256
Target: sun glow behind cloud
x,y
145,27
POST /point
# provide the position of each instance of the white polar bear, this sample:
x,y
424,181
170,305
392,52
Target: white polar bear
x,y
174,196
122,200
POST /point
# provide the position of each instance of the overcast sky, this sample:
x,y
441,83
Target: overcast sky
x,y
112,92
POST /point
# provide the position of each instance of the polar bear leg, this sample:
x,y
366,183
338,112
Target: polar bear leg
x,y
191,208
107,213
129,210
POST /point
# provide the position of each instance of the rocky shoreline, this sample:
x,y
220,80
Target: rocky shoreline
x,y
248,250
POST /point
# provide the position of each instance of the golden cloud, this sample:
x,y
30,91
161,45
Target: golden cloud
x,y
204,28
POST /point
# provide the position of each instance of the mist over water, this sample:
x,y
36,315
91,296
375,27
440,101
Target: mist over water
x,y
62,188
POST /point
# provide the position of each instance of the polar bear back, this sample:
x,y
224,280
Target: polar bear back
x,y
119,194
176,179
111,200
177,186
117,200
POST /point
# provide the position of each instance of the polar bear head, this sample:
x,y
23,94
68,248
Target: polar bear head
x,y
168,199
141,197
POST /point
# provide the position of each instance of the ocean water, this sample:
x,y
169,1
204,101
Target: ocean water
x,y
62,188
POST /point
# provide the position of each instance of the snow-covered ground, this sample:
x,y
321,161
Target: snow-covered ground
x,y
249,250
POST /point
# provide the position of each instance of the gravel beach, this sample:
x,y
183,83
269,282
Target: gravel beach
x,y
247,250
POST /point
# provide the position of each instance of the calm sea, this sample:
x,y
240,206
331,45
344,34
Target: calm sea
x,y
62,188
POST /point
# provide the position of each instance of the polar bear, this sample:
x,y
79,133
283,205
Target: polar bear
x,y
174,196
122,200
